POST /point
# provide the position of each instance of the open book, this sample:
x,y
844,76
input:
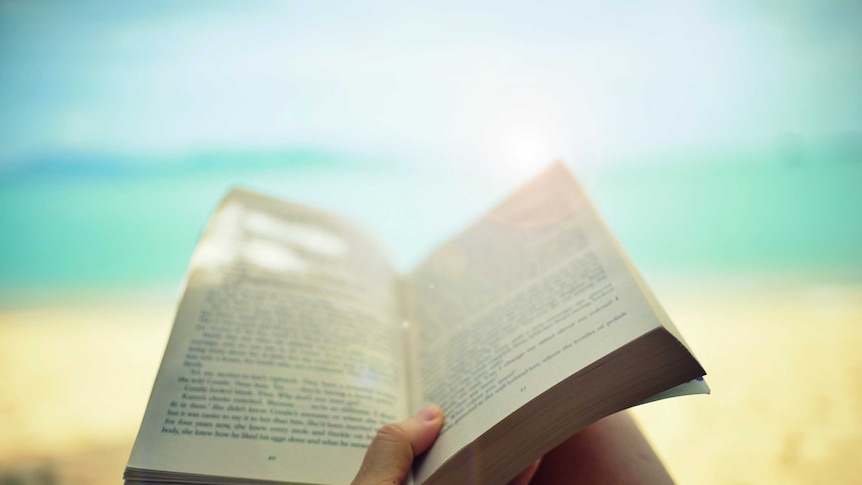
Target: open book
x,y
296,340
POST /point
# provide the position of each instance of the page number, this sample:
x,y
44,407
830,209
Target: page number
x,y
271,458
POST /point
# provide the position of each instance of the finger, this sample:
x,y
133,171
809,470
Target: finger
x,y
391,453
525,476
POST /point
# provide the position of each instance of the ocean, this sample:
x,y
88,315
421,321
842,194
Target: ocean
x,y
103,225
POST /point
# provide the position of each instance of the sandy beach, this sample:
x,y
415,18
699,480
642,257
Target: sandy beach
x,y
783,364
784,368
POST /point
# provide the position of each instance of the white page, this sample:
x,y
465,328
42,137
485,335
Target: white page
x,y
287,348
527,296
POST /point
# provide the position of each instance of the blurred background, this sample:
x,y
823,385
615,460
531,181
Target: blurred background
x,y
721,140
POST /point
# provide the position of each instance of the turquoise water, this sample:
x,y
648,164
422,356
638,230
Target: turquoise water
x,y
67,231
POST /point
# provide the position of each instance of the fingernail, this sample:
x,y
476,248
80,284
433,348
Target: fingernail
x,y
430,412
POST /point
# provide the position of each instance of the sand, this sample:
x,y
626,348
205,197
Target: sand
x,y
784,364
785,369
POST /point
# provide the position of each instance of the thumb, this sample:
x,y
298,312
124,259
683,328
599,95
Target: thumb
x,y
391,453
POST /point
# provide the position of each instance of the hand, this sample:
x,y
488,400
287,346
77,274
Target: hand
x,y
390,455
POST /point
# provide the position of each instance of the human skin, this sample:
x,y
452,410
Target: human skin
x,y
609,452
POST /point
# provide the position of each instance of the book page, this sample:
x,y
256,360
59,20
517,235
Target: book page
x,y
286,355
532,293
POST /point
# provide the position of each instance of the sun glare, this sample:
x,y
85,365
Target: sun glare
x,y
522,141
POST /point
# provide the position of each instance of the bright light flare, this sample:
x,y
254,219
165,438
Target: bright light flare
x,y
524,140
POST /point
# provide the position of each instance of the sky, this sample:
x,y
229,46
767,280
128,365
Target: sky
x,y
499,81
711,134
